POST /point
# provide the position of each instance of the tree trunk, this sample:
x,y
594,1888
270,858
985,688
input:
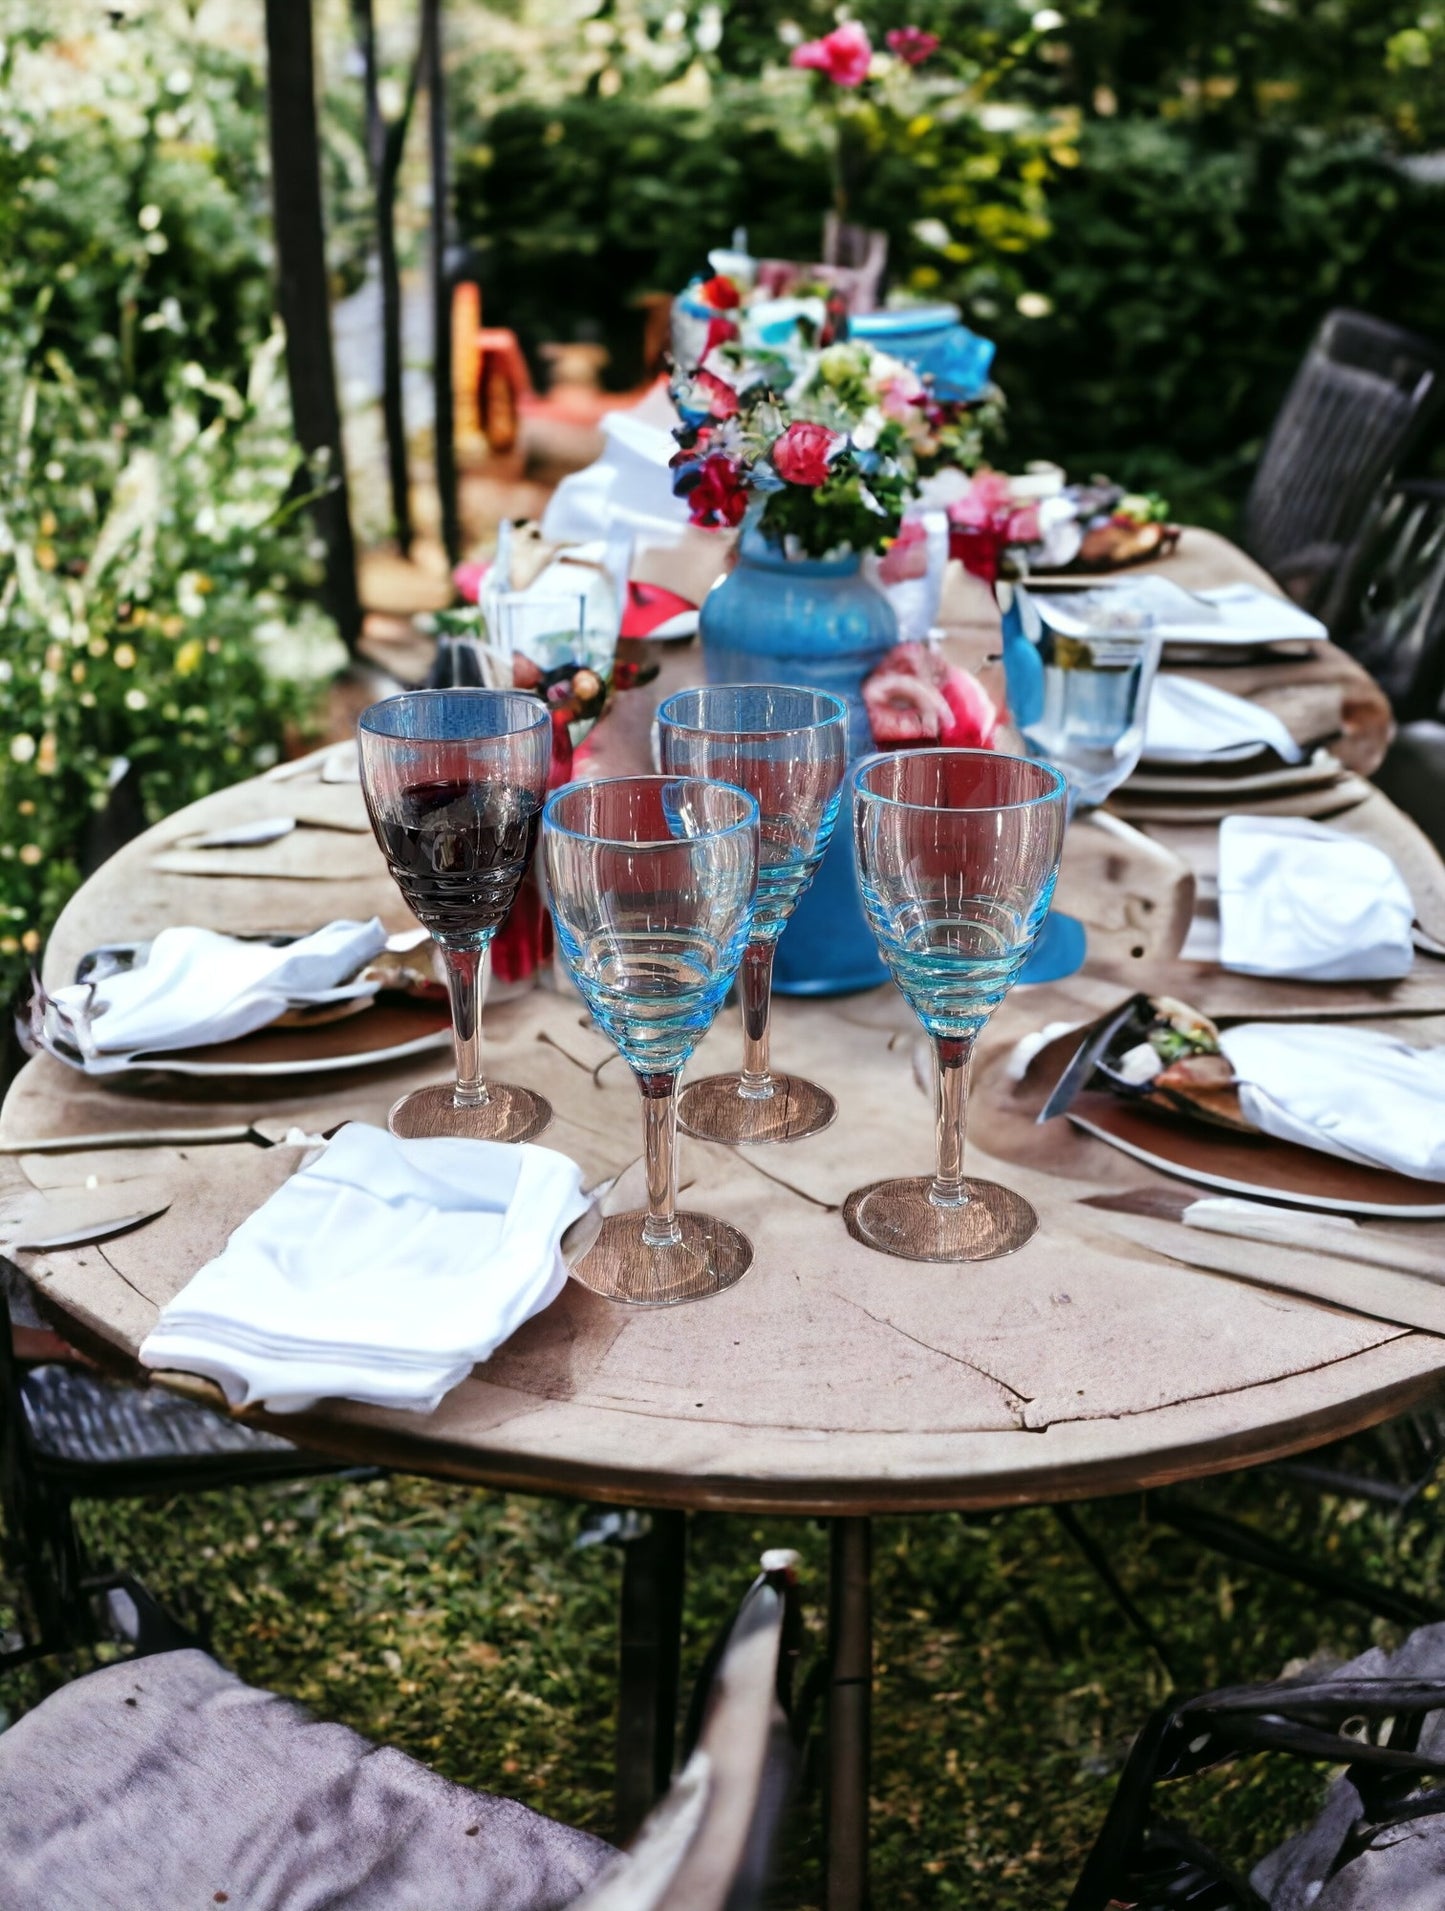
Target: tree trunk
x,y
446,459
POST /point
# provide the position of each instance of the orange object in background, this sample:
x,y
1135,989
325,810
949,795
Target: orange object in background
x,y
490,379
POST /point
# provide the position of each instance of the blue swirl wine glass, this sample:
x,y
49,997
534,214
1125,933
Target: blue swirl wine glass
x,y
652,880
958,853
453,782
789,749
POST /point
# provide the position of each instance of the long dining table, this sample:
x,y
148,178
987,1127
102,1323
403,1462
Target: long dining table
x,y
1119,1350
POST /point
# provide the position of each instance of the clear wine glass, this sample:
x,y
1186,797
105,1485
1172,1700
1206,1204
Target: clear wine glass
x,y
958,852
454,782
789,749
652,880
1079,703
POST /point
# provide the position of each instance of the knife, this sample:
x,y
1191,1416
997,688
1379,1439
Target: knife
x,y
34,1241
1076,1075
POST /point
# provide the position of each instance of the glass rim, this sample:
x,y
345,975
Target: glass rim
x,y
1053,794
532,707
750,818
838,715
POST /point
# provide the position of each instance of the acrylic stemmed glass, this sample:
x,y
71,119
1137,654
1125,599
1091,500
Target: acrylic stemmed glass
x,y
958,852
652,881
454,782
789,749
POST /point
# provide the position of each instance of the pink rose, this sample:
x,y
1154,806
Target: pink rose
x,y
722,400
801,455
912,45
844,55
907,556
985,500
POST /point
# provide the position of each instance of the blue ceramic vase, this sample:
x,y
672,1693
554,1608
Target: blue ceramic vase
x,y
818,624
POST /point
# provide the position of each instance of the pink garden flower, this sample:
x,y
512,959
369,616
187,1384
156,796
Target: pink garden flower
x,y
912,45
722,400
801,455
844,55
719,498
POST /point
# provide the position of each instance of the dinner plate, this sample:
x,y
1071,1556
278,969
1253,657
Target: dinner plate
x,y
1257,1166
1322,767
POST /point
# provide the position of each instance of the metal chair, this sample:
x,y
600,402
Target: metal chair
x,y
1370,1725
1359,402
1398,628
198,1788
68,1433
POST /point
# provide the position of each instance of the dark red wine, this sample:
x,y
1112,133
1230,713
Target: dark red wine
x,y
457,851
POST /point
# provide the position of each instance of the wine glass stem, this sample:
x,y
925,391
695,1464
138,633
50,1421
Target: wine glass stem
x,y
659,1129
464,986
757,991
951,1056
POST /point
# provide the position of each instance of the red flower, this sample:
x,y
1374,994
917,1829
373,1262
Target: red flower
x,y
801,455
722,400
719,497
844,55
720,293
912,45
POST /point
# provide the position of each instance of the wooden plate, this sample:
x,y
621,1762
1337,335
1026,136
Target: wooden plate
x,y
390,1029
1253,1165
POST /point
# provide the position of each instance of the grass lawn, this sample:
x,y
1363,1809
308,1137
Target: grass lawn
x,y
468,1629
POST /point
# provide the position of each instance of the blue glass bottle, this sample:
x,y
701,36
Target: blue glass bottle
x,y
816,623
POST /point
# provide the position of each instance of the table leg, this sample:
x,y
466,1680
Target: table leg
x,y
850,1698
649,1655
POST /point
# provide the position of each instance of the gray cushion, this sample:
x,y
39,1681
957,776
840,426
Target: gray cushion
x,y
167,1782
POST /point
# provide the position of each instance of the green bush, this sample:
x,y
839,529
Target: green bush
x,y
1184,279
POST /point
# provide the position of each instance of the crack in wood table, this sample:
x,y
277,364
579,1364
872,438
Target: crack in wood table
x,y
1105,1356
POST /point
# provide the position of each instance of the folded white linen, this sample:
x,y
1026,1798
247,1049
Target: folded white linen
x,y
1192,722
196,987
382,1272
1355,1092
1297,899
628,486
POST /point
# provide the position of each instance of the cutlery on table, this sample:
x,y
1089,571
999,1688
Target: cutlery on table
x,y
40,1235
1076,1076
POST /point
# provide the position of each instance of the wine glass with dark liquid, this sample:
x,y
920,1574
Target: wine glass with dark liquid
x,y
454,782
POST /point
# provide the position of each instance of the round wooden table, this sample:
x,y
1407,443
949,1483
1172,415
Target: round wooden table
x,y
1111,1353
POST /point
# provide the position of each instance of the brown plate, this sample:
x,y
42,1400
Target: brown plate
x,y
391,1028
1251,1165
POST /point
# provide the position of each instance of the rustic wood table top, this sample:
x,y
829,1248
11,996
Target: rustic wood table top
x,y
1113,1352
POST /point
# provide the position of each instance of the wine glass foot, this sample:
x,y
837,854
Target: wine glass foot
x,y
710,1257
714,1109
510,1113
897,1217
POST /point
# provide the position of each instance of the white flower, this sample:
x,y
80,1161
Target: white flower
x,y
932,232
148,218
1047,20
135,700
22,748
1034,304
865,432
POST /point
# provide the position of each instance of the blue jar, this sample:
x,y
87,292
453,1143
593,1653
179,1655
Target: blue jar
x,y
934,341
818,624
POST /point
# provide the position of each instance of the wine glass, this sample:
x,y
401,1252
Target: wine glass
x,y
454,782
652,881
1079,703
958,852
789,749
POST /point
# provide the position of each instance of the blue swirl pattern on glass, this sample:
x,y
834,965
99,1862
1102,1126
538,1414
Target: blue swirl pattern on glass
x,y
652,882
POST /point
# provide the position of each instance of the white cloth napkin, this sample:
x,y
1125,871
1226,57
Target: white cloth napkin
x,y
196,987
1355,1092
629,486
382,1272
1192,722
1297,899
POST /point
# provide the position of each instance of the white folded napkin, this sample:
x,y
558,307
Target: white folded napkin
x,y
1355,1092
629,485
1297,899
1192,722
196,987
382,1272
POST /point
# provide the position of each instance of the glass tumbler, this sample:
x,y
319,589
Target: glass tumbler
x,y
958,853
652,880
789,749
454,782
1079,703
